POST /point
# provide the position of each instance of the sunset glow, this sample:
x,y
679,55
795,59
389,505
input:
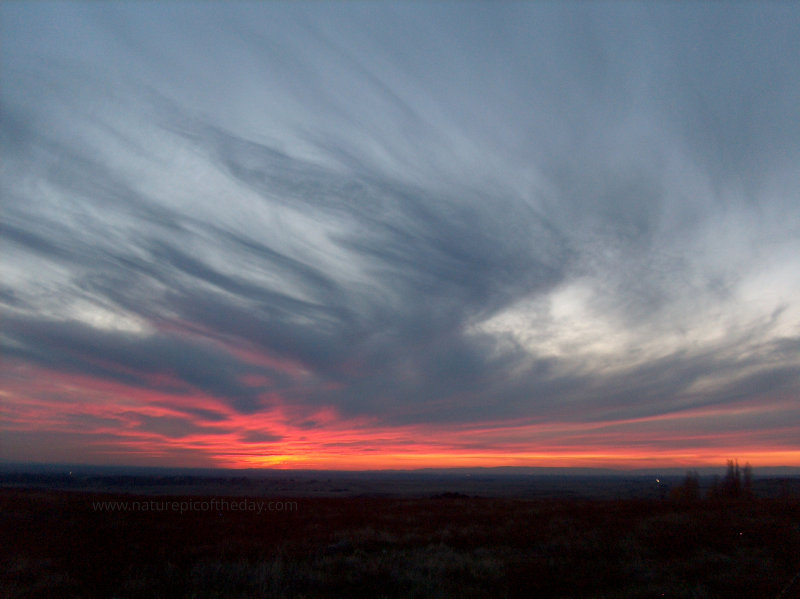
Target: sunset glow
x,y
89,421
399,235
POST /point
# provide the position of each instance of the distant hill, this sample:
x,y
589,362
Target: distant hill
x,y
108,470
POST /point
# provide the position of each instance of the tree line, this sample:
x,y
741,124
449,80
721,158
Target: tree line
x,y
736,484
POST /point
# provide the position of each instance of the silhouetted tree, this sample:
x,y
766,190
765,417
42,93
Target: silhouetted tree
x,y
747,483
732,486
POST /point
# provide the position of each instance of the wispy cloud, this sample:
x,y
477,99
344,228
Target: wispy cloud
x,y
291,231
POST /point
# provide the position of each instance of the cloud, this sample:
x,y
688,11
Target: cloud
x,y
260,437
536,213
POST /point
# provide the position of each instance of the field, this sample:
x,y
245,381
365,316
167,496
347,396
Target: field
x,y
69,543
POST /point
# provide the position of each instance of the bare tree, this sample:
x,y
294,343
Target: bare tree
x,y
747,484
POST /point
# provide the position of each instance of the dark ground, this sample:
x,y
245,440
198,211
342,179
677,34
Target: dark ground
x,y
57,542
411,484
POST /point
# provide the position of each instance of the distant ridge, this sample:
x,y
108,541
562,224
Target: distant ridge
x,y
95,469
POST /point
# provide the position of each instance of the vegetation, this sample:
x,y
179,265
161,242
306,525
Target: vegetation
x,y
736,485
447,546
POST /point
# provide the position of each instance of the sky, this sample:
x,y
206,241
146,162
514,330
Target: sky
x,y
360,235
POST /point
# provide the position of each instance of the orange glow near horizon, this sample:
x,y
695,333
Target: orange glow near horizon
x,y
412,461
78,419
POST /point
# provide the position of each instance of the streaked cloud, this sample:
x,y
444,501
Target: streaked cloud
x,y
331,235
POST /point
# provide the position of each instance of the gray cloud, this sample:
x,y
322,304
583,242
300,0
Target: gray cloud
x,y
436,213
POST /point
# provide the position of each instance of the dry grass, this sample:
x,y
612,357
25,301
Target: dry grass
x,y
453,547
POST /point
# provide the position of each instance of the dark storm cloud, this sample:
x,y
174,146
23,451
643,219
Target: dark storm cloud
x,y
392,198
